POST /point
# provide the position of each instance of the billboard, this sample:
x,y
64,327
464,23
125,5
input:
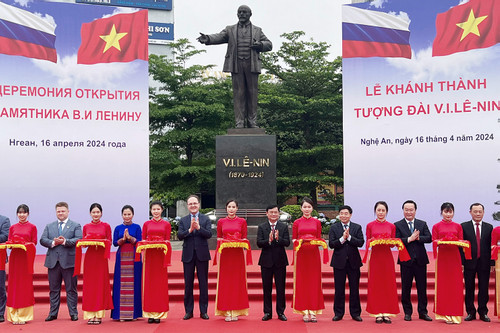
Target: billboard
x,y
147,4
421,107
74,119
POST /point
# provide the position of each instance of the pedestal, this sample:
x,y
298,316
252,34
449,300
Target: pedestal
x,y
246,172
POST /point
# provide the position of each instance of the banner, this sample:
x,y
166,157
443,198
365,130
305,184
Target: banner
x,y
425,128
71,132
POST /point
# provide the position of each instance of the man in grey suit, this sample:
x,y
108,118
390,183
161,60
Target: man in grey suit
x,y
60,238
244,43
4,235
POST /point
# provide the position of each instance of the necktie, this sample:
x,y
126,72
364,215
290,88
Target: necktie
x,y
272,229
411,226
346,226
478,240
60,228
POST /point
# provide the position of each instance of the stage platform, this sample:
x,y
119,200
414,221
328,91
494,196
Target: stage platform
x,y
246,324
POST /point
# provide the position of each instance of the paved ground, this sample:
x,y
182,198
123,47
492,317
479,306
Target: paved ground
x,y
176,245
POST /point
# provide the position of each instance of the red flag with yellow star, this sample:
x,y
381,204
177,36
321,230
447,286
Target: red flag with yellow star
x,y
472,25
119,38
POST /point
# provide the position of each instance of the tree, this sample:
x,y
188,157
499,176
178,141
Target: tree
x,y
301,103
186,114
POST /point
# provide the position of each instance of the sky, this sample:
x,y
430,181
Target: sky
x,y
319,19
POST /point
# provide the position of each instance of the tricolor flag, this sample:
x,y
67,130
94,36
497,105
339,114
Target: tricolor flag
x,y
472,25
25,34
369,33
119,38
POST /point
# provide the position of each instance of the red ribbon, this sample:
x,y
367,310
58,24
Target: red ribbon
x,y
403,252
494,252
465,245
30,252
166,258
306,241
233,240
78,251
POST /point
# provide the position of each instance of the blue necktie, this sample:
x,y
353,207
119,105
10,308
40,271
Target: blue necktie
x,y
411,227
60,228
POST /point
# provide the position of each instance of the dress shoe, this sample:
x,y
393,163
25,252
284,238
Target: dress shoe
x,y
151,320
485,318
204,316
2,319
387,320
157,321
336,318
50,318
188,316
356,318
282,317
407,317
470,317
74,317
267,316
424,317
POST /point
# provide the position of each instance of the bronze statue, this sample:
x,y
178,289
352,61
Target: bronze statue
x,y
244,42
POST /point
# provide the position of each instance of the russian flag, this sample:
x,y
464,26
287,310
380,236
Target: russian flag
x,y
368,33
25,34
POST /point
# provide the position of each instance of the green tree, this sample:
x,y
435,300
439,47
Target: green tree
x,y
186,113
301,103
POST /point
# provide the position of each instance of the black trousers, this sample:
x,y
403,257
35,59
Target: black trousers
x,y
245,91
419,272
3,295
483,280
56,276
279,274
339,276
202,274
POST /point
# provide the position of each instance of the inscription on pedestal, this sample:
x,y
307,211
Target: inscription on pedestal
x,y
246,171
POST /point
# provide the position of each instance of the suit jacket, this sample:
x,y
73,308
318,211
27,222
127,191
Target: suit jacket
x,y
230,36
416,249
347,250
273,254
4,228
65,254
195,241
469,230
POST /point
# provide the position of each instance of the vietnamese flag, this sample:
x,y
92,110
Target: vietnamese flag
x,y
119,38
472,25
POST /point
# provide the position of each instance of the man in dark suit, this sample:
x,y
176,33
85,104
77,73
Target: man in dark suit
x,y
4,235
414,234
244,42
273,238
195,230
345,238
478,233
60,238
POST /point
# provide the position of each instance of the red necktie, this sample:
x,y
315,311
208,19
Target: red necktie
x,y
478,240
272,229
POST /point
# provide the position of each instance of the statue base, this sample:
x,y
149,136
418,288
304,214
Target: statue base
x,y
246,172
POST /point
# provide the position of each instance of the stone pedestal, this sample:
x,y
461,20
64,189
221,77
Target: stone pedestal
x,y
246,172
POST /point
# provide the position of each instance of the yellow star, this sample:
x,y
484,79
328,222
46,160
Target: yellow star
x,y
470,26
113,39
